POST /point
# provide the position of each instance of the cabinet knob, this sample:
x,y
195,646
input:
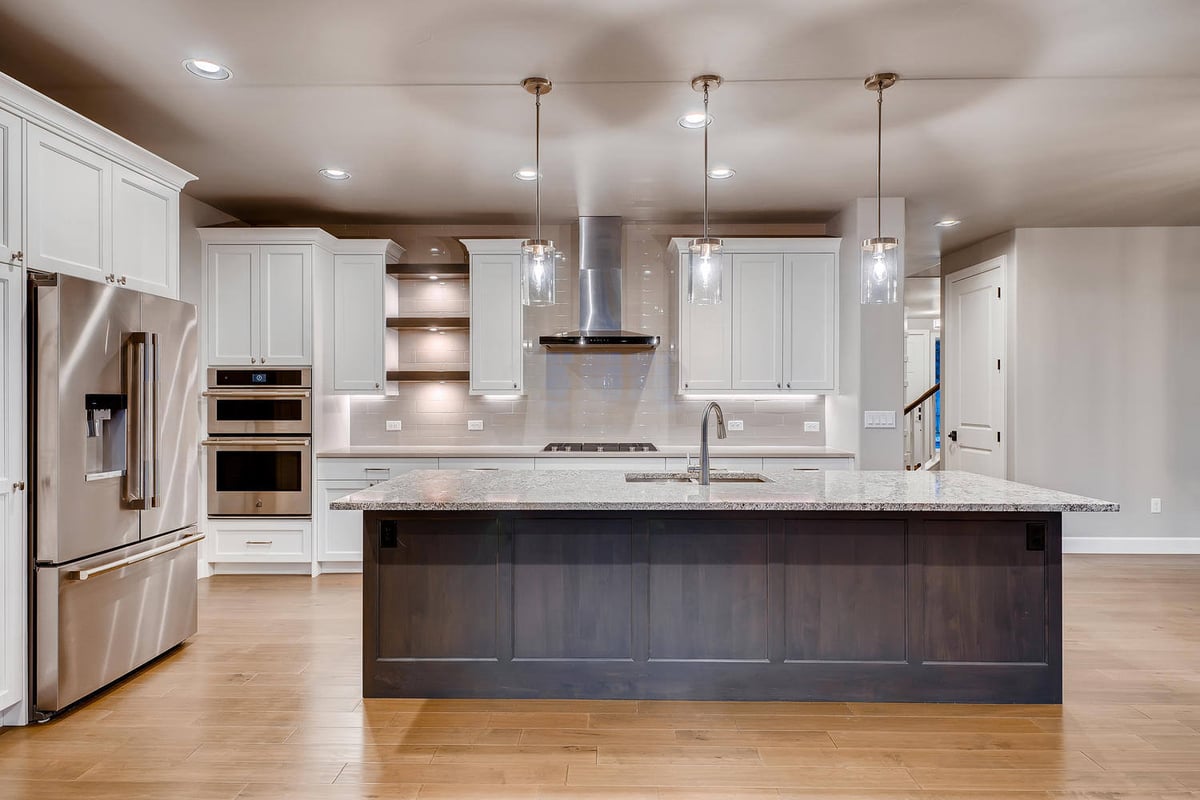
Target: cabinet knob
x,y
377,386
253,360
789,386
17,256
122,280
778,386
19,486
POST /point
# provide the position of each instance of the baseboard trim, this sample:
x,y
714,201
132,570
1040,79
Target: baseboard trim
x,y
1133,545
266,568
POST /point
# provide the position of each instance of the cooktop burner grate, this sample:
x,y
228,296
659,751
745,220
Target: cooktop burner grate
x,y
600,447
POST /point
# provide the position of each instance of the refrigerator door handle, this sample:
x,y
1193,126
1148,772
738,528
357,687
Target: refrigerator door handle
x,y
121,563
135,390
152,421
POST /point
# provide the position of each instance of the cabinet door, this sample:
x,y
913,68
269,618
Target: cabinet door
x,y
705,351
232,314
12,501
145,233
339,533
285,305
811,310
358,324
69,210
10,185
757,306
497,360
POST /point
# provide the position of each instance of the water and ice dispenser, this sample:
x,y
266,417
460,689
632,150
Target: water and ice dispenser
x,y
104,448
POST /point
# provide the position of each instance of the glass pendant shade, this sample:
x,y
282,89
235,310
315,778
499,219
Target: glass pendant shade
x,y
538,257
704,271
880,270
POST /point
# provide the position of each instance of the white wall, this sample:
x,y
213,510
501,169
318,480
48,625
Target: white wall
x,y
871,345
1107,369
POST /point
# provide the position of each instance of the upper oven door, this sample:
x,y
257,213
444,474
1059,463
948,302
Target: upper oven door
x,y
271,411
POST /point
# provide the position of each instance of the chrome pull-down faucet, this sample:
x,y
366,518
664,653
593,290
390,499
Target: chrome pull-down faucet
x,y
712,406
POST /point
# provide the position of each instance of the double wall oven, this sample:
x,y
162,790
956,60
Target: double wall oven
x,y
259,442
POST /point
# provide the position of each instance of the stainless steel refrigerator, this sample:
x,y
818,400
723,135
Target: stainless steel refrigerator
x,y
113,408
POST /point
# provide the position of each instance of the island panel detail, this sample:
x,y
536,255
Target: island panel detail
x,y
753,605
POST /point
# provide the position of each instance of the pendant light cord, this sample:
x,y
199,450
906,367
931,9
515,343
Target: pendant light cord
x,y
879,167
537,159
706,159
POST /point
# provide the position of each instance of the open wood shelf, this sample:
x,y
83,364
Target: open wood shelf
x,y
441,323
413,375
422,272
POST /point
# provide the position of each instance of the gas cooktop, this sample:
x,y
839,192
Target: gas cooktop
x,y
600,447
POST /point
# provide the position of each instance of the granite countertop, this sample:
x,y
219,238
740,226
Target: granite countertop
x,y
529,451
575,490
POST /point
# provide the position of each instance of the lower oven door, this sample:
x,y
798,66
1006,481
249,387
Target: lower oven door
x,y
259,476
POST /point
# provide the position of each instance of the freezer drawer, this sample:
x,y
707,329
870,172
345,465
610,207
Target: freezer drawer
x,y
100,618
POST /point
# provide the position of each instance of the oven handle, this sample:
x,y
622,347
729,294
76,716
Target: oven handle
x,y
84,574
257,394
253,442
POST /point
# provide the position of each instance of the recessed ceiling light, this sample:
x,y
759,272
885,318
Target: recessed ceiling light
x,y
721,173
695,119
209,70
947,223
525,174
334,174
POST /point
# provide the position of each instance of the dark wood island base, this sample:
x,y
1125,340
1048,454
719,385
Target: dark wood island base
x,y
738,605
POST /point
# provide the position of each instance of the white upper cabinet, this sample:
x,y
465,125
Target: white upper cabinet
x,y
259,304
145,233
231,318
775,330
285,305
358,324
757,305
69,213
705,344
810,293
497,317
10,186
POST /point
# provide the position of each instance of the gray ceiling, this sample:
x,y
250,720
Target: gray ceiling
x,y
1013,112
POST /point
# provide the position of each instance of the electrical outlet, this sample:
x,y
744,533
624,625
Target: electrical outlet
x,y
1155,505
735,425
812,427
392,425
474,424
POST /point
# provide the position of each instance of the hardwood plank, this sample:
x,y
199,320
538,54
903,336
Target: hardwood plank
x,y
681,708
435,791
515,754
928,759
666,721
1048,779
310,771
316,737
300,791
17,789
676,754
300,753
893,724
374,772
985,741
738,775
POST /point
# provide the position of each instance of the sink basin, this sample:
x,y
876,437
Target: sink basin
x,y
692,477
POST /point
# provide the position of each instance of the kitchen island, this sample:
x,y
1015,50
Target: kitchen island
x,y
851,586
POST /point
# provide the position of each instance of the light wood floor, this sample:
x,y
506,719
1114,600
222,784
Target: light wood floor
x,y
264,703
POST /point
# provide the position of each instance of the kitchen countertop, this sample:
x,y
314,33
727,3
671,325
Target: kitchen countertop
x,y
528,451
574,490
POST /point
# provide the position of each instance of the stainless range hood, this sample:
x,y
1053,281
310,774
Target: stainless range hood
x,y
599,296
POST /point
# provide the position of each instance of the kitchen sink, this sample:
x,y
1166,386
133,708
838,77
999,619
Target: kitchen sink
x,y
686,477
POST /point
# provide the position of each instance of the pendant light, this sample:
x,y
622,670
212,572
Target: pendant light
x,y
704,262
880,255
537,254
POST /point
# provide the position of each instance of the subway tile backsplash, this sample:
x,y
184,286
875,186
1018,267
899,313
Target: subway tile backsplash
x,y
584,397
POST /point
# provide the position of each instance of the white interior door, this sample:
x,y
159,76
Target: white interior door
x,y
975,347
12,499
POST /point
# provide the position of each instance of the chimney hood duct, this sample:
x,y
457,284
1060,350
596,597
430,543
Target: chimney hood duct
x,y
599,296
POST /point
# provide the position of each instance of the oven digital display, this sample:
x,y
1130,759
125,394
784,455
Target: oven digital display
x,y
258,377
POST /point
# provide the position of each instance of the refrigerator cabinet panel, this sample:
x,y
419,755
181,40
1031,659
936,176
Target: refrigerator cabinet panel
x,y
102,617
81,413
173,416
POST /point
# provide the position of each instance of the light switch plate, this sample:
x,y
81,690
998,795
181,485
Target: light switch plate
x,y
812,427
879,419
735,425
392,425
474,424
1155,505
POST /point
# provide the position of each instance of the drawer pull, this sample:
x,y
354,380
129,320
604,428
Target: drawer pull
x,y
264,541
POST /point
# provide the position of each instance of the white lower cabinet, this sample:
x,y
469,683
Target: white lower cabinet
x,y
12,499
261,540
485,463
629,464
806,464
339,533
733,464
